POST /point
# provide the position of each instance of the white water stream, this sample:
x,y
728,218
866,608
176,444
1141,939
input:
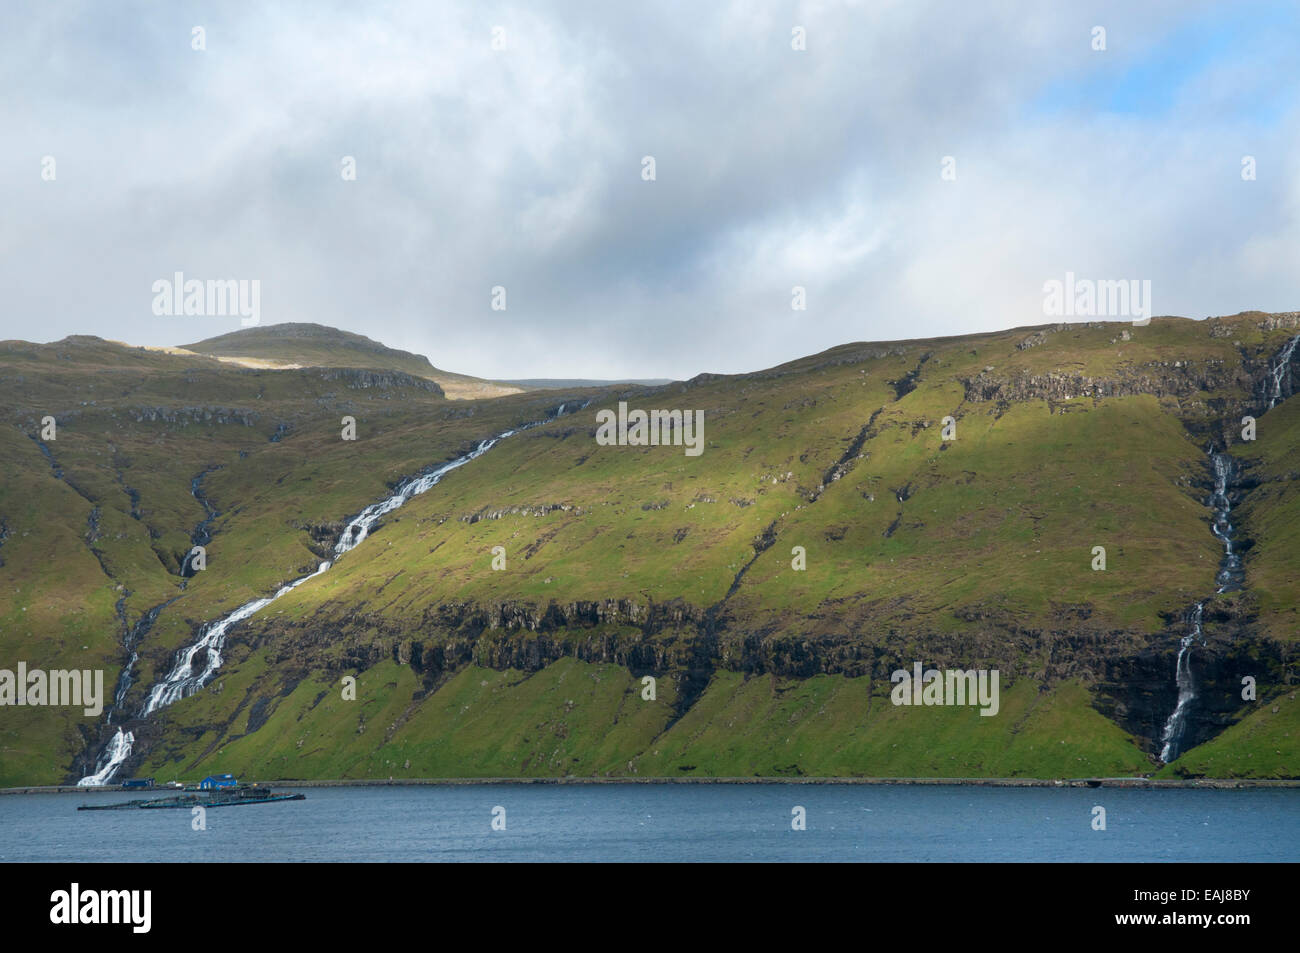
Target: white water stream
x,y
183,680
1229,577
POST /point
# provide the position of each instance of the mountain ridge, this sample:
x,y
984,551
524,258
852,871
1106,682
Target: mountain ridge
x,y
291,344
626,562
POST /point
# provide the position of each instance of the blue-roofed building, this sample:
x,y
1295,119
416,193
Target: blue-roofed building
x,y
214,781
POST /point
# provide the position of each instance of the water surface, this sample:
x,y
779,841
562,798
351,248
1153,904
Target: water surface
x,y
672,822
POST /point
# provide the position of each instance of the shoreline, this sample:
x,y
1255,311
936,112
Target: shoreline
x,y
1148,783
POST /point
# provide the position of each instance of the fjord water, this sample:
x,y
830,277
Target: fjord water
x,y
672,822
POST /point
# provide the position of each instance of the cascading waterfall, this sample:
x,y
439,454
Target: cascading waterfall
x,y
1231,572
118,750
119,746
1229,579
1280,370
183,681
127,678
1177,723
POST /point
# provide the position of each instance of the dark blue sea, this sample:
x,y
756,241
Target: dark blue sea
x,y
671,822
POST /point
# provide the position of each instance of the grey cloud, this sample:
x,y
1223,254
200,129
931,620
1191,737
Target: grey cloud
x,y
522,168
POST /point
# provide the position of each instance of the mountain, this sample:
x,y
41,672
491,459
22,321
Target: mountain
x,y
314,345
627,563
561,383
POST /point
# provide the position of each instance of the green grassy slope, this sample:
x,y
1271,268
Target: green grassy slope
x,y
626,562
95,532
1263,744
317,346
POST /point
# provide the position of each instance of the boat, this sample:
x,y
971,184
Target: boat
x,y
233,796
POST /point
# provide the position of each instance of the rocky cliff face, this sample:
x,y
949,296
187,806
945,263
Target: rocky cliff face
x,y
1177,379
361,379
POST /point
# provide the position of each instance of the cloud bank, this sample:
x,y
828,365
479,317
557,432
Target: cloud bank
x,y
521,167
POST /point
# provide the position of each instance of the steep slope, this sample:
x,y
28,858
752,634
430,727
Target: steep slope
x,y
314,345
96,519
623,562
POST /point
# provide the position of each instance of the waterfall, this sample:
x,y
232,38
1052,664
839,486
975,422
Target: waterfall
x,y
1279,370
358,527
183,680
1177,724
1231,572
1228,578
127,678
118,750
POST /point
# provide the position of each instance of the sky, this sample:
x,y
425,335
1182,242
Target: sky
x,y
498,145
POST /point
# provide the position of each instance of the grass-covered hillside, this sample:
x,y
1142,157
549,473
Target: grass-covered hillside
x,y
623,563
313,345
